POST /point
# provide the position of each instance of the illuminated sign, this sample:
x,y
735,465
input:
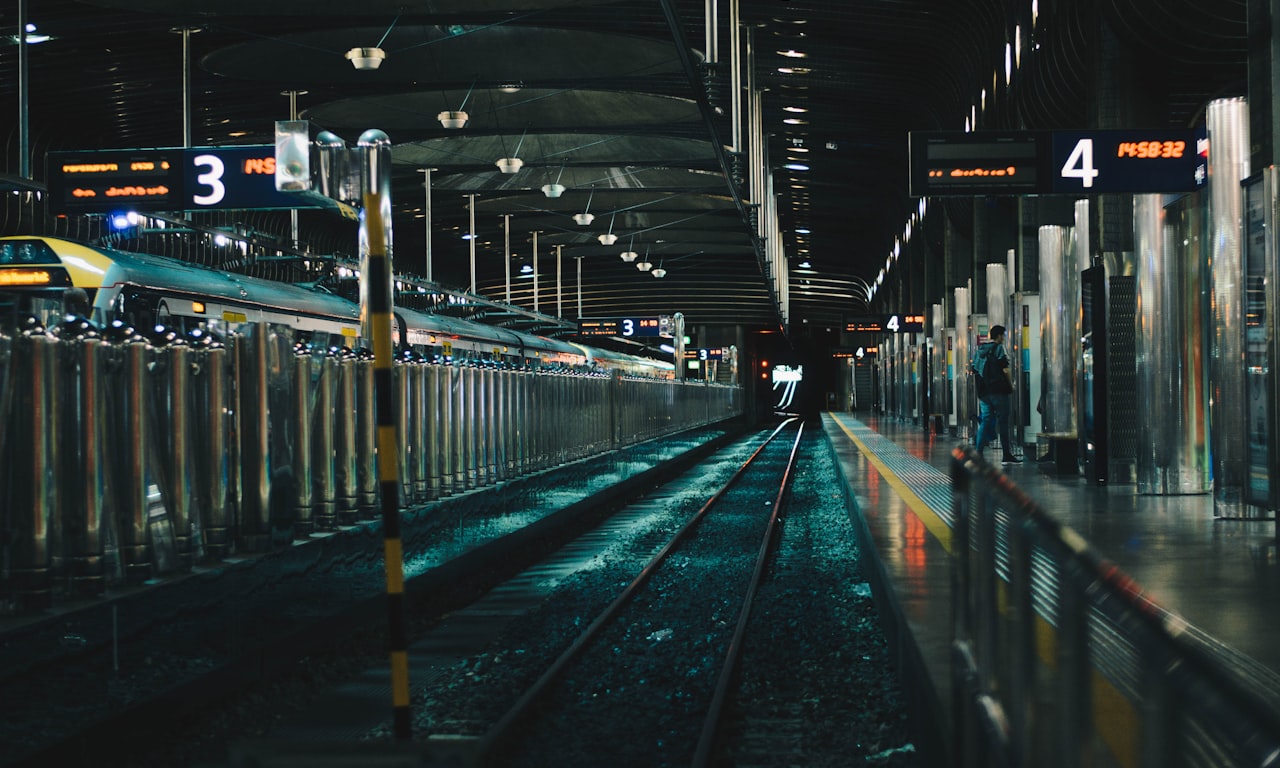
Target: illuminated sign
x,y
887,323
626,327
33,277
1057,162
190,179
785,374
706,353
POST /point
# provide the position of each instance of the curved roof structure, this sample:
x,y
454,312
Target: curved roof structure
x,y
628,106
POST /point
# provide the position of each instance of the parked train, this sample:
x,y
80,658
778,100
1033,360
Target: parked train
x,y
147,290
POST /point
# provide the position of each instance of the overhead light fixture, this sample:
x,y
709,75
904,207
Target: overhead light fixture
x,y
796,167
553,190
644,266
455,119
510,87
513,163
794,109
802,230
795,121
366,58
792,54
804,264
586,217
608,238
629,256
526,269
659,272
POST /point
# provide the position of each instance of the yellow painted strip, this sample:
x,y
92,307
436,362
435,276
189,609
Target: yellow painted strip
x,y
399,678
940,530
380,322
1116,722
387,454
394,554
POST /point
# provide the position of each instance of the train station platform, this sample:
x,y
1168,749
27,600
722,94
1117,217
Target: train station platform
x,y
1219,575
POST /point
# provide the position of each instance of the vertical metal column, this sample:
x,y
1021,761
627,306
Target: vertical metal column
x,y
345,474
473,289
506,250
1173,450
217,519
535,270
961,354
1228,125
33,497
325,500
426,221
377,272
303,507
366,436
1058,403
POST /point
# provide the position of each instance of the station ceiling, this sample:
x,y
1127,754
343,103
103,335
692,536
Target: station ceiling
x,y
617,102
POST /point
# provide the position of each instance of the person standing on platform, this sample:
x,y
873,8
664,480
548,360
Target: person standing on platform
x,y
991,368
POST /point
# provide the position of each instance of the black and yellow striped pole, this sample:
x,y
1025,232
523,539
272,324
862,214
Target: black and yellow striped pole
x,y
375,310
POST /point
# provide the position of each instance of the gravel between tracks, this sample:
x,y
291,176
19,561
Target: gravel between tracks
x,y
822,656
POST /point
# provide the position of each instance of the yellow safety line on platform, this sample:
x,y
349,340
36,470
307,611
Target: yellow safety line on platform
x,y
940,530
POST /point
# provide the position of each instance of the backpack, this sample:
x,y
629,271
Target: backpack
x,y
990,378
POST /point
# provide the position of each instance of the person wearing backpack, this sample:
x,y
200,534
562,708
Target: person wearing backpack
x,y
991,368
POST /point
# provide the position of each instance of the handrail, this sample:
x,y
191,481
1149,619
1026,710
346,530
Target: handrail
x,y
1017,704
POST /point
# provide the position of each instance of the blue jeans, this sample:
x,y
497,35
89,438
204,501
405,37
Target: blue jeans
x,y
993,419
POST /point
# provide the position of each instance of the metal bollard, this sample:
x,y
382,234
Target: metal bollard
x,y
213,478
179,429
252,429
303,501
33,493
400,383
444,396
367,498
457,394
468,423
324,490
488,424
418,431
344,439
81,477
431,429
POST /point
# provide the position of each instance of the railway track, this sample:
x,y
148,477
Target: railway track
x,y
712,567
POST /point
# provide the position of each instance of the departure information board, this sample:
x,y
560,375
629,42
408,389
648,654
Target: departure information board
x,y
888,323
181,179
626,327
1057,162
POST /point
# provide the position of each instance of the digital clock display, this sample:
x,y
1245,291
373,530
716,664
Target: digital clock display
x,y
1058,162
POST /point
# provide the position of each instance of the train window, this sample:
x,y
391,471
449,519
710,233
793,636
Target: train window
x,y
14,252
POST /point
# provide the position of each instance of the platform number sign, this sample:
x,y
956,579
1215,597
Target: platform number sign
x,y
1079,164
1058,162
209,172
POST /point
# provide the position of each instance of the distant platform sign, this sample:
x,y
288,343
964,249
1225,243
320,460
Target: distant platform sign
x,y
1057,162
886,323
626,327
175,179
706,353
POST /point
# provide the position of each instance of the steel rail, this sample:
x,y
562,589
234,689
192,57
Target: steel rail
x,y
710,725
523,706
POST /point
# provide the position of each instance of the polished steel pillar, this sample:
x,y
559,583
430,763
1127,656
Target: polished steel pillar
x,y
1228,126
998,296
303,507
325,499
1057,324
1173,446
966,399
345,458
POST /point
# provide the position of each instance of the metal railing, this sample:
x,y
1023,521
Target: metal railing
x,y
125,455
1060,659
